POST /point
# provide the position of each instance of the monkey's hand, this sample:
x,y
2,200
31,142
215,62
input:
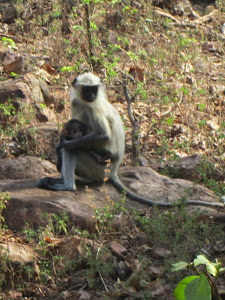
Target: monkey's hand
x,y
84,142
61,142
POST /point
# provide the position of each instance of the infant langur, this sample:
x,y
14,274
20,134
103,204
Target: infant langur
x,y
75,129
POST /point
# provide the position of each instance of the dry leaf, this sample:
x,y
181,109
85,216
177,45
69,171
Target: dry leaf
x,y
48,68
83,295
118,248
161,252
137,73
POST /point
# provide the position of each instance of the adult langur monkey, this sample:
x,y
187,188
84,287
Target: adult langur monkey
x,y
105,132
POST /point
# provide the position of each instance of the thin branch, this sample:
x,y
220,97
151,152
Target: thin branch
x,y
129,105
99,273
103,282
88,25
133,120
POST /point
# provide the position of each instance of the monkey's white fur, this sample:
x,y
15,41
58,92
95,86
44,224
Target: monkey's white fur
x,y
98,116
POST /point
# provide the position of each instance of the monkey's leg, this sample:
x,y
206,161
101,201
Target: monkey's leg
x,y
68,170
59,156
80,162
67,180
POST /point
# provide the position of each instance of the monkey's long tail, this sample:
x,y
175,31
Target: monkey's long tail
x,y
123,189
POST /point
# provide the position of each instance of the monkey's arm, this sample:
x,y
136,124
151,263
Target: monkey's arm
x,y
83,142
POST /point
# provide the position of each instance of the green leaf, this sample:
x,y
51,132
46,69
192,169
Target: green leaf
x,y
94,26
126,8
181,265
66,68
14,74
198,289
221,269
170,121
78,27
148,20
201,260
217,265
146,29
184,90
202,123
179,290
211,269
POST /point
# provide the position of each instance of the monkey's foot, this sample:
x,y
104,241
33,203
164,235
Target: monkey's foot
x,y
54,184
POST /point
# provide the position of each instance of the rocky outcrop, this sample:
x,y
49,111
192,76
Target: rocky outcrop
x,y
40,140
25,167
28,203
29,94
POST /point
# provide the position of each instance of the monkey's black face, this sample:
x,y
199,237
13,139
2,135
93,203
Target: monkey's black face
x,y
89,93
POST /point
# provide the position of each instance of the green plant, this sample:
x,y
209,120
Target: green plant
x,y
14,75
67,69
7,109
100,263
9,42
61,222
202,123
106,215
15,119
29,233
4,198
29,271
4,258
57,224
201,106
207,172
201,286
178,229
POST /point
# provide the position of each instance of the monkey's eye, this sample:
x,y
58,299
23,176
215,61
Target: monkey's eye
x,y
89,93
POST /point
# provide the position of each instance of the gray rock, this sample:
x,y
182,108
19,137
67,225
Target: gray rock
x,y
28,203
25,167
40,140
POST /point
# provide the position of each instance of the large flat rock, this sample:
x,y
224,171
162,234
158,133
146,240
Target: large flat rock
x,y
28,203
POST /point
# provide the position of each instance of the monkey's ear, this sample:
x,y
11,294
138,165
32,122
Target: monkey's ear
x,y
74,82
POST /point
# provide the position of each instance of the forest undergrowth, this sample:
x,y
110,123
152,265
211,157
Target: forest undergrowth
x,y
173,68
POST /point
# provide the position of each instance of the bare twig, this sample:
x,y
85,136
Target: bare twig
x,y
99,273
129,105
133,120
165,14
103,282
88,24
132,221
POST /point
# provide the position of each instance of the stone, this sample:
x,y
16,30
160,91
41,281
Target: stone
x,y
12,63
8,14
40,140
25,167
189,168
30,93
28,203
